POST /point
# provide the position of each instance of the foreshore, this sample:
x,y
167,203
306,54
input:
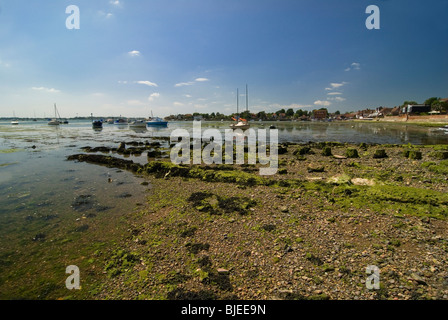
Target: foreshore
x,y
308,232
432,120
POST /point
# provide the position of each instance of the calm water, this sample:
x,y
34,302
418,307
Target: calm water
x,y
39,187
33,166
33,169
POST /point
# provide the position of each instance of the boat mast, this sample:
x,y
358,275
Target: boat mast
x,y
247,100
237,104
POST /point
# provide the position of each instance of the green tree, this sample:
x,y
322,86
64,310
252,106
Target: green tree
x,y
290,112
261,115
281,111
430,101
444,106
408,102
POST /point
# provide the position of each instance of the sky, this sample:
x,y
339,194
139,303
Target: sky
x,y
137,57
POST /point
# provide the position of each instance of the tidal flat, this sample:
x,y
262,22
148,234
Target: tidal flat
x,y
308,232
140,227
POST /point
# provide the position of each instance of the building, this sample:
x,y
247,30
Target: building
x,y
417,108
320,114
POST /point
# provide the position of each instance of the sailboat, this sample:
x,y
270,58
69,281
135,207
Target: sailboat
x,y
14,122
156,122
54,121
240,122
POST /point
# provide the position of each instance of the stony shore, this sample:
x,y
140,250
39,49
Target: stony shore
x,y
308,232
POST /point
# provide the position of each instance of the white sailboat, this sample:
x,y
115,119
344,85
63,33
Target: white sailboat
x,y
14,122
54,121
240,122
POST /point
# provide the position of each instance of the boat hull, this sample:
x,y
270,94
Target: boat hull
x,y
157,124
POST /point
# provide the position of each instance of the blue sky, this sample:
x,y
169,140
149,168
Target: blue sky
x,y
131,57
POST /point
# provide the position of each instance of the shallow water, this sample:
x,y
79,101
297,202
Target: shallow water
x,y
45,197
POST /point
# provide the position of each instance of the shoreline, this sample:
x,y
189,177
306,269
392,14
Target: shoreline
x,y
222,232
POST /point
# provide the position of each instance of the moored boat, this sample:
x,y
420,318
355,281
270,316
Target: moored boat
x,y
137,124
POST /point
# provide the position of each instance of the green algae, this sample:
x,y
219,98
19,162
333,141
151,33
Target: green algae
x,y
11,150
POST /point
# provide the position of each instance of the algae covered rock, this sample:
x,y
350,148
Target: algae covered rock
x,y
351,153
379,154
326,151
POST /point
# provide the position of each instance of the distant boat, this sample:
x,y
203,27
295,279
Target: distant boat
x,y
121,122
137,124
96,124
55,121
110,121
156,122
240,122
14,122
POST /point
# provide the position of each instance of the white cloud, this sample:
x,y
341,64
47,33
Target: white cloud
x,y
122,82
190,83
50,90
182,84
339,99
322,103
178,104
334,93
337,85
354,66
115,3
148,83
154,96
188,96
134,53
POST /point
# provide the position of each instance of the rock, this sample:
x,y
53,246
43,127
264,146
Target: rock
x,y
415,277
223,271
352,153
379,154
284,209
315,168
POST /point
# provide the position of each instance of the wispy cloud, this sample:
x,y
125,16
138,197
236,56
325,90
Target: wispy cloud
x,y
50,90
106,15
334,93
335,85
354,66
147,83
183,84
322,103
134,53
339,99
154,96
115,3
190,83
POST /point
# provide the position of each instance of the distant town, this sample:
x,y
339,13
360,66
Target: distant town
x,y
431,106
